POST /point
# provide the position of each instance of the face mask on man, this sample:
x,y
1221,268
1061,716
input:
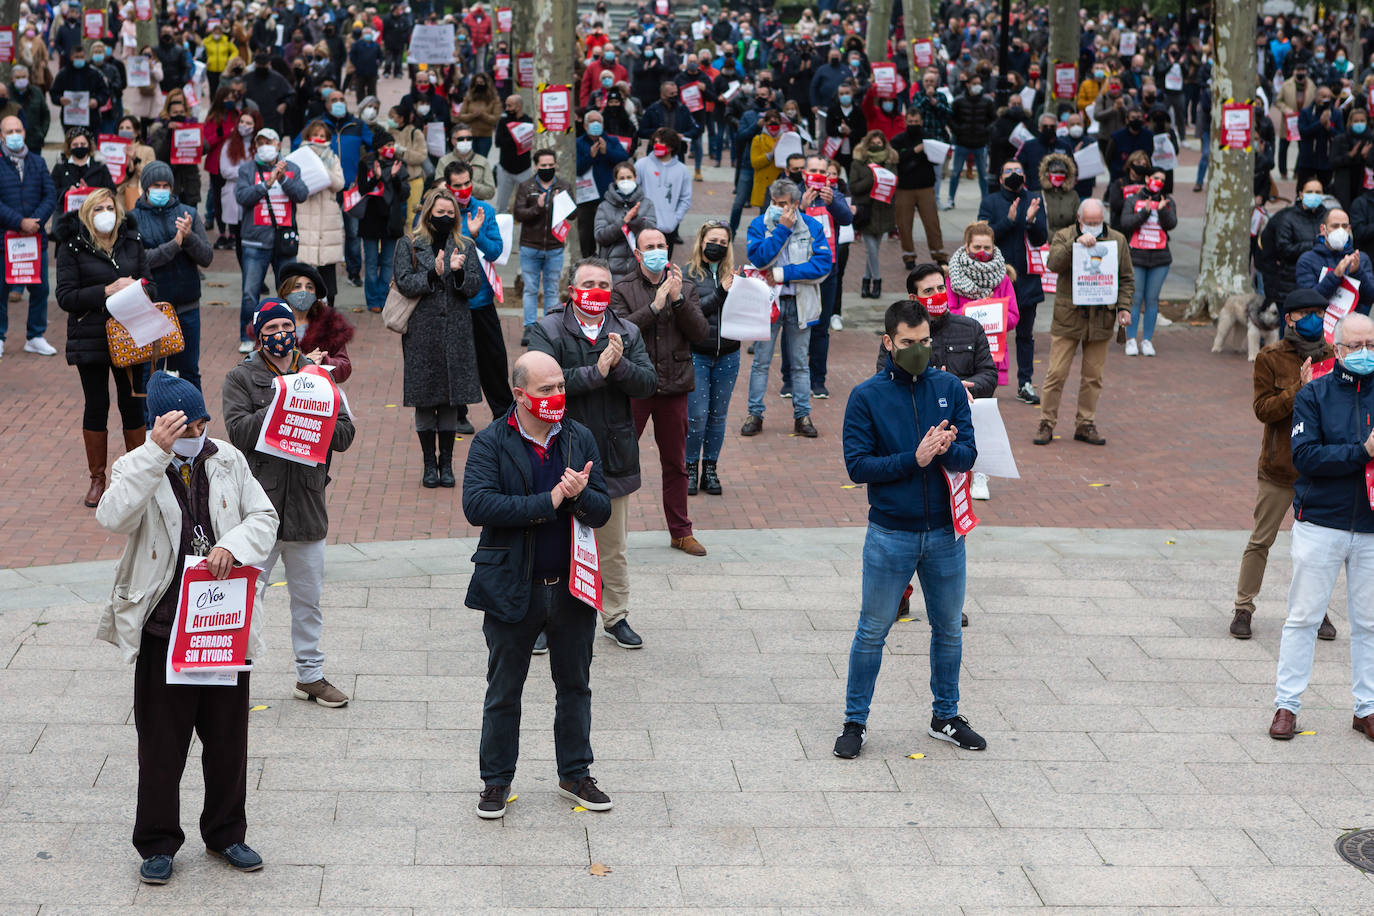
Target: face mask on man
x,y
1075,131
184,447
937,304
845,99
1013,181
593,301
655,260
1360,362
549,409
975,90
912,360
1312,199
1310,326
1337,239
159,197
1094,229
266,155
279,344
338,109
660,150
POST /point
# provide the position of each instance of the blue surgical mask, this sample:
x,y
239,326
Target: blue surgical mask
x,y
159,197
1312,200
338,109
655,260
846,99
1310,326
14,142
79,62
1359,127
608,56
774,213
887,106
1361,362
594,128
607,80
98,58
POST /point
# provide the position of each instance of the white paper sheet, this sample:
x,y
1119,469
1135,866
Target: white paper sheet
x,y
936,151
748,309
506,224
563,207
78,112
788,144
1089,160
312,170
1020,136
435,141
990,434
132,308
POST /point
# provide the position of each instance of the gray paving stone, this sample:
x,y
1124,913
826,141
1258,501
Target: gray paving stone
x,y
560,886
753,809
1073,885
466,844
1034,810
1175,847
1283,885
411,885
1014,846
672,846
1244,811
770,885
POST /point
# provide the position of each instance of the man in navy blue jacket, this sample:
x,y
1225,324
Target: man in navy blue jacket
x,y
905,430
1335,251
1333,527
27,198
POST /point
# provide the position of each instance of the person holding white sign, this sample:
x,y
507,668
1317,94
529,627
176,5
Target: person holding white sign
x,y
297,490
219,512
1090,327
80,91
1333,263
30,199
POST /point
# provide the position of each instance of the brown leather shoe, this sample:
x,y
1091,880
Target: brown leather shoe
x,y
1327,630
1088,433
802,426
688,545
97,444
1281,729
322,692
1044,434
753,425
1240,623
1364,724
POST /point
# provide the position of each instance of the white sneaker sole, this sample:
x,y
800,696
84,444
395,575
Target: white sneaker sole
x,y
302,695
590,806
943,737
624,645
863,740
492,815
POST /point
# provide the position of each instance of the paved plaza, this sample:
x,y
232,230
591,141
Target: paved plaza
x,y
1127,763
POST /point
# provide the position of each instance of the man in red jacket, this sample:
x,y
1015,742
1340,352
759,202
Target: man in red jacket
x,y
479,29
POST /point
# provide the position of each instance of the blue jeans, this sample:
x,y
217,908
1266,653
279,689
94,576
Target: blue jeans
x,y
255,263
537,265
797,342
1148,282
744,190
186,363
708,403
820,338
696,152
38,299
890,558
378,255
980,161
353,245
715,135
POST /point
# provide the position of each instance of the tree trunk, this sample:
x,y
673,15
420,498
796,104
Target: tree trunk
x,y
879,28
1063,44
1224,267
552,39
917,26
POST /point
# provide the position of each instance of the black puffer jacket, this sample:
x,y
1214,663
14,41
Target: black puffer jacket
x,y
972,121
711,297
959,346
1287,237
83,271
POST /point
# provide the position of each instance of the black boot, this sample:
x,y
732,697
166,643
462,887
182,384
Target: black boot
x,y
692,468
863,292
431,478
709,481
877,288
446,459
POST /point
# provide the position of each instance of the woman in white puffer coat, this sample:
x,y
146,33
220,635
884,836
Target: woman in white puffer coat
x,y
319,219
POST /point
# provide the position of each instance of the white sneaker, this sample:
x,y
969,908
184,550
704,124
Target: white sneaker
x,y
2,348
245,346
979,489
1147,348
836,323
1132,348
40,346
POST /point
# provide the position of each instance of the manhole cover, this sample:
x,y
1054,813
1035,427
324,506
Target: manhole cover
x,y
1357,848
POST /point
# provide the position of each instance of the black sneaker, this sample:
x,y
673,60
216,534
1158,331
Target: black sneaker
x,y
525,337
820,393
491,804
786,392
851,740
624,637
156,870
585,793
239,856
957,732
541,645
355,279
1026,393
464,428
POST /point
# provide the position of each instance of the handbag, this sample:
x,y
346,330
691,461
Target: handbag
x,y
124,353
398,308
286,243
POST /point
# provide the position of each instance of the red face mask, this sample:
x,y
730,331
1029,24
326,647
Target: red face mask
x,y
388,153
774,129
320,141
1155,185
936,305
1058,180
983,256
549,409
464,195
660,150
591,301
423,87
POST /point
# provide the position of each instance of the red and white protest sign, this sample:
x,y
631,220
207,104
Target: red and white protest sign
x,y
691,96
143,10
73,198
300,420
192,97
503,19
93,24
1235,126
884,183
115,151
661,7
992,314
960,504
522,132
1323,368
1369,482
1290,127
1151,235
1065,81
280,212
493,279
1340,305
1035,258
186,145
555,109
585,579
524,70
831,146
885,80
23,259
7,44
502,67
922,52
351,197
213,619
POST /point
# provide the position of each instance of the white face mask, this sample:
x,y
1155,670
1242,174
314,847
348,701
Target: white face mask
x,y
1337,239
1075,131
104,221
369,114
267,154
422,109
626,186
188,448
463,146
1095,231
245,130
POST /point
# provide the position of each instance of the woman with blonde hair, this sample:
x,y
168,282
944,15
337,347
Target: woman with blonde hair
x,y
438,265
715,358
101,254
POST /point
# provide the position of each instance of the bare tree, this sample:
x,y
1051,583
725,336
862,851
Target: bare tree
x,y
553,39
879,28
1063,44
917,18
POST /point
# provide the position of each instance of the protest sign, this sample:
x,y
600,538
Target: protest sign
x,y
1094,274
585,581
431,44
301,418
23,259
213,619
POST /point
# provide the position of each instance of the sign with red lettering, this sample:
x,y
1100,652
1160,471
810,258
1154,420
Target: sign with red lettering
x,y
502,67
503,19
831,146
280,213
1347,294
1035,258
1151,235
1322,368
1290,127
143,10
584,580
115,151
186,145
661,7
351,197
522,132
884,183
75,197
885,80
960,504
23,259
524,70
6,44
1065,81
213,619
93,24
992,315
300,420
691,96
555,109
493,279
1235,126
922,53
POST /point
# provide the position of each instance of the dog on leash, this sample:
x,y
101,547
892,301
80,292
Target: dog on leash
x,y
1246,313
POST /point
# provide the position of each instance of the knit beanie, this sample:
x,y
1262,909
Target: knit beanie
x,y
167,393
156,170
271,308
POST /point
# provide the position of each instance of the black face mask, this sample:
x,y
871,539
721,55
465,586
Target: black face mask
x,y
546,174
80,152
1014,181
1135,125
442,226
1047,135
714,251
795,176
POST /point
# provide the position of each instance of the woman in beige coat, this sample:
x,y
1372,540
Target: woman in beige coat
x,y
481,109
319,219
145,102
412,150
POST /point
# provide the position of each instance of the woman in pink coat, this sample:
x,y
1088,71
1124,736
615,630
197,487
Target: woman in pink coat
x,y
978,271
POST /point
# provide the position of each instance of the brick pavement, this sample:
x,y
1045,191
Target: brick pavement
x,y
1181,453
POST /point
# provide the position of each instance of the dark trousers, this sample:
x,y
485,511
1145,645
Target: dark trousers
x,y
820,338
330,276
570,627
187,362
95,386
165,716
670,434
1025,344
586,227
492,371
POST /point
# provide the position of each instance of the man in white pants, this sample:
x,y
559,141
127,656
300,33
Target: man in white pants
x,y
1333,444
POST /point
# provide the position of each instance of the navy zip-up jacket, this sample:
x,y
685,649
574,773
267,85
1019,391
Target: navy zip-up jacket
x,y
885,420
1309,273
1332,418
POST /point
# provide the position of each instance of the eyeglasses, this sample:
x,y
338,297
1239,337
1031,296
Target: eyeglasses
x,y
1356,345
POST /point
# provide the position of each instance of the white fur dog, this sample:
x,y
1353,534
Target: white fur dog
x,y
1246,313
